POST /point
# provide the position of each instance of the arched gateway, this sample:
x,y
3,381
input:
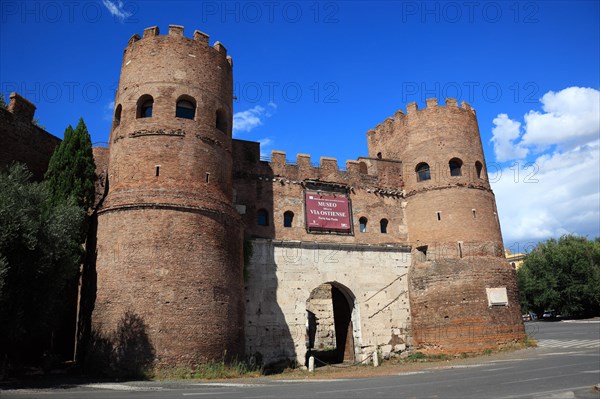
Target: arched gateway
x,y
331,323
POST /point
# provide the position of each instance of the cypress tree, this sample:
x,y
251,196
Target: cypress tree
x,y
72,171
70,181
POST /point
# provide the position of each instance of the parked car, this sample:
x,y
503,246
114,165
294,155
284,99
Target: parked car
x,y
529,316
549,314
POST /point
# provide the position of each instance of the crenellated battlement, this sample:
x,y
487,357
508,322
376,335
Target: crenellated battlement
x,y
433,112
364,172
178,31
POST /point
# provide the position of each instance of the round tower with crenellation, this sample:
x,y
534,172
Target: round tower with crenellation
x,y
463,293
169,259
451,209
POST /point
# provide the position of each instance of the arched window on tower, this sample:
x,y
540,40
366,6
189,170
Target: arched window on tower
x,y
288,218
362,223
144,106
455,165
262,217
478,168
117,119
186,108
383,224
423,173
221,121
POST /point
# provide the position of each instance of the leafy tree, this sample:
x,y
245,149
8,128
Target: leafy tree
x,y
72,171
563,275
39,252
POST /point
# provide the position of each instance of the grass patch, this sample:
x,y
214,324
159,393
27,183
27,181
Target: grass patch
x,y
422,357
208,371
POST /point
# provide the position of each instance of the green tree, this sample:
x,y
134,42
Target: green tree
x,y
72,172
39,252
563,275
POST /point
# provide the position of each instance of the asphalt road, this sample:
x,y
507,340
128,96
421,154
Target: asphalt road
x,y
566,364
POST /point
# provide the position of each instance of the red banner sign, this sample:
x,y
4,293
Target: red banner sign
x,y
327,212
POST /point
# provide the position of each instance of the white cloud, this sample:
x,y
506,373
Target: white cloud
x,y
570,117
245,121
505,132
116,8
559,192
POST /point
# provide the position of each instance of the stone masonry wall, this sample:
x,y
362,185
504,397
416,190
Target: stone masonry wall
x,y
282,275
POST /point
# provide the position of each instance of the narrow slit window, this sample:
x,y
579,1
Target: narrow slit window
x,y
288,219
478,168
262,217
117,119
157,170
221,121
383,225
362,222
207,177
474,213
439,215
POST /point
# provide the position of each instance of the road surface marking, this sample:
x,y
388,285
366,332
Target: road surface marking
x,y
569,343
121,387
206,393
315,380
227,384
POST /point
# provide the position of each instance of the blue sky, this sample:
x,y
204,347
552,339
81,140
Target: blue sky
x,y
312,77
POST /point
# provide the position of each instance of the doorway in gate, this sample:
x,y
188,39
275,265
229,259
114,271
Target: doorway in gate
x,y
330,326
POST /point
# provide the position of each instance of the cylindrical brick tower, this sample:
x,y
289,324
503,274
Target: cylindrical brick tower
x,y
169,259
463,293
451,209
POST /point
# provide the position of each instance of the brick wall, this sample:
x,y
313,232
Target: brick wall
x,y
180,272
169,238
21,140
450,309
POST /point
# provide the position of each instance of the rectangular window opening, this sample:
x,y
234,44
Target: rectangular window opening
x,y
157,170
474,214
422,253
439,215
207,177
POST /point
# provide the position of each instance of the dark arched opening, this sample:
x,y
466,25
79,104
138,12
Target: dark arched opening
x,y
221,121
117,118
288,218
478,168
423,173
185,108
145,105
383,224
455,165
330,327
